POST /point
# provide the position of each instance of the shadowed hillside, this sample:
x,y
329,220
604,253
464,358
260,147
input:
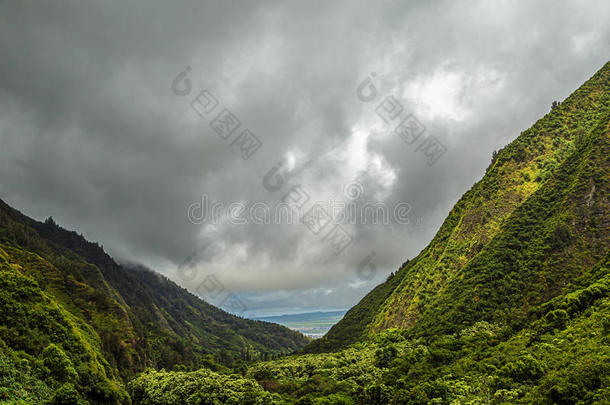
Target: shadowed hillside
x,y
101,322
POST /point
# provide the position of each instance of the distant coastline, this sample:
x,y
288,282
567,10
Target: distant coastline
x,y
312,324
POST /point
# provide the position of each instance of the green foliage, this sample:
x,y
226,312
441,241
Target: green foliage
x,y
478,365
530,230
198,387
384,356
557,318
475,368
509,303
20,380
67,395
58,364
525,368
76,317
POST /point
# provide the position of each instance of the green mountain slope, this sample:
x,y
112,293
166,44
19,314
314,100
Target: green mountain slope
x,y
508,304
561,357
76,323
531,229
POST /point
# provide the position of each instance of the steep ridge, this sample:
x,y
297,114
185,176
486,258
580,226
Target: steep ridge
x,y
509,303
100,322
537,222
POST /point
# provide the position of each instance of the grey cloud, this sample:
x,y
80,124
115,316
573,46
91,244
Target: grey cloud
x,y
91,133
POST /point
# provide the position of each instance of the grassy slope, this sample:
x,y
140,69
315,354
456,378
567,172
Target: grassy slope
x,y
500,250
111,322
36,312
557,359
563,357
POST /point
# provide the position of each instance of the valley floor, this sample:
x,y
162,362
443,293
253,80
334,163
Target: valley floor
x,y
562,358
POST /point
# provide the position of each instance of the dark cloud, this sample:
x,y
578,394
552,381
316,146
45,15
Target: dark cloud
x,y
91,133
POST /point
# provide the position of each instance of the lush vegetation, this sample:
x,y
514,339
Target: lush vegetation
x,y
535,223
76,326
198,387
509,303
563,357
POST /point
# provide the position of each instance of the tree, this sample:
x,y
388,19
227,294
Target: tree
x,y
59,365
67,395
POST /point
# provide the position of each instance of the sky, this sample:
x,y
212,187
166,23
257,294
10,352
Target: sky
x,y
127,122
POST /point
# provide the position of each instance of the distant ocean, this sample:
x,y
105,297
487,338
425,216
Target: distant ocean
x,y
312,324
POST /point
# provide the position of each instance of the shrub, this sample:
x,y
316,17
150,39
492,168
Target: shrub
x,y
557,319
526,368
59,365
67,395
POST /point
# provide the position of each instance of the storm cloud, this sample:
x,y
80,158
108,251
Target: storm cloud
x,y
92,133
